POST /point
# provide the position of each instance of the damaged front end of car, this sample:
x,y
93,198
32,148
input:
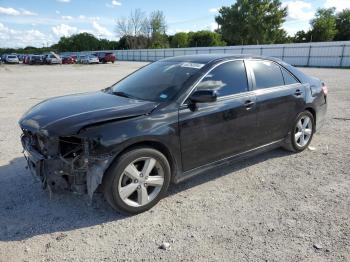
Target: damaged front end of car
x,y
72,163
66,142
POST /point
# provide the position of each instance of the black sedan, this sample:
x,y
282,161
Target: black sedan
x,y
168,121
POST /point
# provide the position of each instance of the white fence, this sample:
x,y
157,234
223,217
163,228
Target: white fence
x,y
323,54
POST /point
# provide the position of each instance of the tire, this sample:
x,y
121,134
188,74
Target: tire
x,y
298,139
144,194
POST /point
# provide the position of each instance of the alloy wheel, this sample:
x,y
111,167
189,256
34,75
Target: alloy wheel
x,y
141,182
303,131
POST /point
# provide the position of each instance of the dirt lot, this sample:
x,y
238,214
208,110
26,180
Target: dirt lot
x,y
274,207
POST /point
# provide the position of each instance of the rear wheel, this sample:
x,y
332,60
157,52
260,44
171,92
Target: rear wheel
x,y
301,133
137,180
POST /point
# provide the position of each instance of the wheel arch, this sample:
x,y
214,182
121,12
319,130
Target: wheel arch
x,y
313,112
155,145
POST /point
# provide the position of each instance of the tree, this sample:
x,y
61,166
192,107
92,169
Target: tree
x,y
159,40
138,31
343,25
205,38
157,22
251,21
302,37
82,42
323,26
157,28
129,42
179,40
134,29
282,37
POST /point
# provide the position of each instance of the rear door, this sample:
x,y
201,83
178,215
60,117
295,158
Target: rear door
x,y
279,98
213,131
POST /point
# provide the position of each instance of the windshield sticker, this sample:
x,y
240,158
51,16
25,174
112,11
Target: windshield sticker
x,y
192,65
163,96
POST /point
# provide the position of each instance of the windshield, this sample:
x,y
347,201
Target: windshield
x,y
12,56
158,82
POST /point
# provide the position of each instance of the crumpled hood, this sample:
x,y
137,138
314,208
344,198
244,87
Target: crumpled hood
x,y
66,115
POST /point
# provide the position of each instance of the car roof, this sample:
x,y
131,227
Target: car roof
x,y
213,58
207,58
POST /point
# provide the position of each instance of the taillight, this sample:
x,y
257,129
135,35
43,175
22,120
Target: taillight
x,y
324,89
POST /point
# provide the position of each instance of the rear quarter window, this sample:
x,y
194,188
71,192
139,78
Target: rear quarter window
x,y
289,79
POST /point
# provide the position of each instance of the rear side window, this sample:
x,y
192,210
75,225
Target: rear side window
x,y
267,74
227,79
288,78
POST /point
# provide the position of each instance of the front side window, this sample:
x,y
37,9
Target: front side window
x,y
227,79
267,74
159,81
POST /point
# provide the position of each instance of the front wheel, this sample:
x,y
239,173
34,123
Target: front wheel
x,y
137,180
301,133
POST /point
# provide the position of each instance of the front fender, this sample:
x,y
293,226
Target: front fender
x,y
114,137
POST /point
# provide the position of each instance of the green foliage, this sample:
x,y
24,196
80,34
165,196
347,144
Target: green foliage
x,y
179,40
343,25
133,42
84,42
27,50
157,25
159,40
205,38
252,22
79,42
157,22
302,37
324,25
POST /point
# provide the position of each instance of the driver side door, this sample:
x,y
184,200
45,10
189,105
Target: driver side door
x,y
212,131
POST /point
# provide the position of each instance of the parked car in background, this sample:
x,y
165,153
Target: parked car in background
x,y
80,58
20,57
169,121
106,57
75,58
68,60
26,59
11,59
53,59
36,60
89,59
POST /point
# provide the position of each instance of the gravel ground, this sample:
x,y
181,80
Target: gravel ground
x,y
277,206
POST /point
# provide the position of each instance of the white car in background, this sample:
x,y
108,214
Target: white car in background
x,y
11,59
89,59
53,59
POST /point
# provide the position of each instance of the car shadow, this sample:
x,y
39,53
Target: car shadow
x,y
226,169
26,210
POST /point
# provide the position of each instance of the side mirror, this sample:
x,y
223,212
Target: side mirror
x,y
204,96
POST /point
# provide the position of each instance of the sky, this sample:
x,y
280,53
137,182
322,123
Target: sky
x,y
42,22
